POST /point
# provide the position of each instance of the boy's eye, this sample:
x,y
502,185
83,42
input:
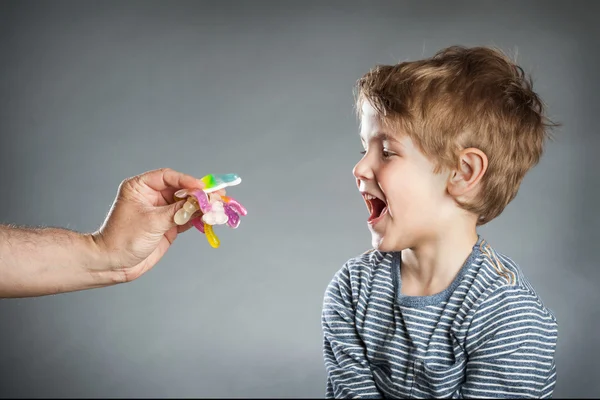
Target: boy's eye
x,y
385,153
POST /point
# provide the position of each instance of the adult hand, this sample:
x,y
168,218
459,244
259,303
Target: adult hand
x,y
139,227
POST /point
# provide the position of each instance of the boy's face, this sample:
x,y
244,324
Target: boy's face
x,y
411,202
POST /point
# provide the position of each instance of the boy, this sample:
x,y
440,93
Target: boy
x,y
433,310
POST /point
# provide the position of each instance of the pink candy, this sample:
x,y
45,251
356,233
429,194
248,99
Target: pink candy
x,y
215,206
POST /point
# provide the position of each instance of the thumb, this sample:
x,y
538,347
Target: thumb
x,y
165,215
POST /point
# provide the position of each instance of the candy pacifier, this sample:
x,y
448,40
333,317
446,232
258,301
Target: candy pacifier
x,y
214,206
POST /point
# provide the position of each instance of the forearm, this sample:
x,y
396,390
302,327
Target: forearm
x,y
348,371
43,261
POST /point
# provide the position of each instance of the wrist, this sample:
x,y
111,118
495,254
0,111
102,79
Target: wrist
x,y
104,268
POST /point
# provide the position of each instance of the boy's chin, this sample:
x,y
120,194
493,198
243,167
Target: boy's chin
x,y
380,243
386,244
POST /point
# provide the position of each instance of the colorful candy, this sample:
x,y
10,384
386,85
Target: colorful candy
x,y
213,240
202,199
214,206
215,182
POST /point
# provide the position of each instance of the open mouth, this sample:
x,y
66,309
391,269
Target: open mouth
x,y
376,206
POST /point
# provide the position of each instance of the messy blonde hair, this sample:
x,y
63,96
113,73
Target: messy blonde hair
x,y
460,98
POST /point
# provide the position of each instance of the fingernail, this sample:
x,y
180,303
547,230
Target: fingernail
x,y
181,193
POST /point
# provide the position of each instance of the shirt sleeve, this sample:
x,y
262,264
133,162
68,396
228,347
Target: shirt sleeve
x,y
511,345
348,370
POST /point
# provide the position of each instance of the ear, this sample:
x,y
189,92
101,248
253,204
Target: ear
x,y
472,164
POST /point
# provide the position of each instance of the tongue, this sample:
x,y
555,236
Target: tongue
x,y
377,208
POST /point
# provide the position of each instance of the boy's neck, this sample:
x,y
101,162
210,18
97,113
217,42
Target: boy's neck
x,y
432,266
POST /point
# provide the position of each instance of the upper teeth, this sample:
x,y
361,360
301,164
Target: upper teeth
x,y
369,196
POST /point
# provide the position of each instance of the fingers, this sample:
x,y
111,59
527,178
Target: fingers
x,y
167,213
167,178
185,228
166,216
168,195
190,224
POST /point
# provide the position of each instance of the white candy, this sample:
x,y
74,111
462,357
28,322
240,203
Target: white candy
x,y
216,216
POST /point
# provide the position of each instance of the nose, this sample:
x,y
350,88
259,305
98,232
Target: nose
x,y
362,171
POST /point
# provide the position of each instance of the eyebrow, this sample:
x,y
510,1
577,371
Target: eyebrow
x,y
383,136
387,136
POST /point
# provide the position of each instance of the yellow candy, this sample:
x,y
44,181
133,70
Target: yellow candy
x,y
213,240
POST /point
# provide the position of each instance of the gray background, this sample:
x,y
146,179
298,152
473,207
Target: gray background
x,y
93,92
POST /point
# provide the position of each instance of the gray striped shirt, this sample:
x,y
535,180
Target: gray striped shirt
x,y
487,335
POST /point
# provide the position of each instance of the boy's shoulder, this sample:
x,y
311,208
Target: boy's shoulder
x,y
363,268
368,262
502,310
500,284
